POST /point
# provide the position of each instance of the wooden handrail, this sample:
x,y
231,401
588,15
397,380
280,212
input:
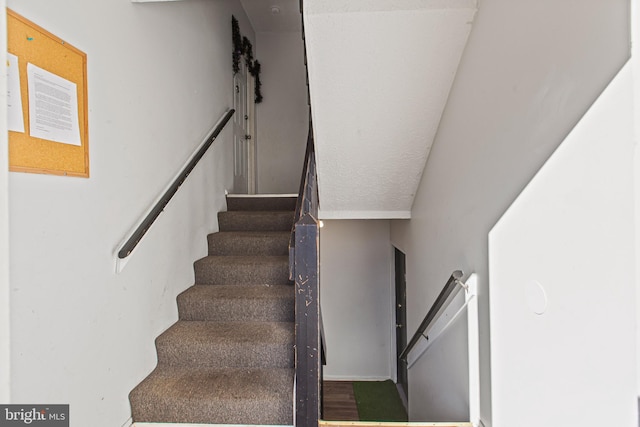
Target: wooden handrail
x,y
304,267
148,221
307,324
299,201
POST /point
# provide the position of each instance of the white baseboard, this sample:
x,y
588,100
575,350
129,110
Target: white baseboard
x,y
354,378
240,196
347,214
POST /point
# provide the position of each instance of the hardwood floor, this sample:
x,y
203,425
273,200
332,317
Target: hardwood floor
x,y
340,410
339,402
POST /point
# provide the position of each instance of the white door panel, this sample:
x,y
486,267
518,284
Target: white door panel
x,y
240,132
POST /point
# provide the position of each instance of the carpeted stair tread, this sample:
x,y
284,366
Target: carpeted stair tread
x,y
249,243
255,220
270,303
227,344
214,396
237,269
282,203
229,358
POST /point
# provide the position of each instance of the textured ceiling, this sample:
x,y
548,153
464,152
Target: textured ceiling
x,y
263,18
380,72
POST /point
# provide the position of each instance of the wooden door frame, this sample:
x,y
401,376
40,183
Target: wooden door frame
x,y
251,129
248,164
403,388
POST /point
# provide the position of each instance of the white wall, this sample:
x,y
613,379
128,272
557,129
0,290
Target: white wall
x,y
283,115
356,299
635,64
563,316
530,70
5,366
159,77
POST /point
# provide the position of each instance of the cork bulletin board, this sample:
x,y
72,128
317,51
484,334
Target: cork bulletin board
x,y
47,101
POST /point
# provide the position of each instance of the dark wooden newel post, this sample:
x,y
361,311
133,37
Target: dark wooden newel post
x,y
308,347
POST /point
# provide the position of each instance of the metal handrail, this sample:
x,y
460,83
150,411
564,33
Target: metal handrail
x,y
443,298
146,224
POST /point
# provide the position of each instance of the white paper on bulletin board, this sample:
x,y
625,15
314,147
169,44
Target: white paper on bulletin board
x,y
53,107
15,118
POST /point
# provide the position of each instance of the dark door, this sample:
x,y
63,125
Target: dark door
x,y
401,319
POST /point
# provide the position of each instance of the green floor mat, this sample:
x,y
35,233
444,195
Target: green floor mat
x,y
379,401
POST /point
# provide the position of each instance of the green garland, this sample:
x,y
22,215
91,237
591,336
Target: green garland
x,y
242,47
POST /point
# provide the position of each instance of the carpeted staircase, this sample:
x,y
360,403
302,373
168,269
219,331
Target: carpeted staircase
x,y
229,359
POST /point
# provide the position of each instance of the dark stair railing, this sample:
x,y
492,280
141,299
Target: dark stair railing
x,y
148,221
304,268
